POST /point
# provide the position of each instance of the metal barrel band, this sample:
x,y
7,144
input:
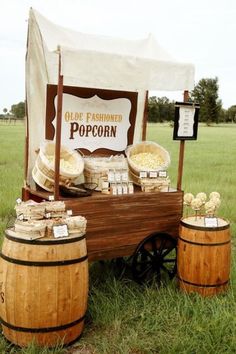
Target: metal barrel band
x,y
45,242
203,228
42,263
43,329
203,285
204,244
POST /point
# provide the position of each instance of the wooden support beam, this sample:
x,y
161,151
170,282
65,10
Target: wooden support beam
x,y
58,131
145,118
181,152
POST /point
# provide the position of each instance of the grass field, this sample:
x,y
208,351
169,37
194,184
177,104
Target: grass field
x,y
126,318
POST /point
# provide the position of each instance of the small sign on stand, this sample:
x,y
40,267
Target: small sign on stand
x,y
211,221
186,121
185,128
60,231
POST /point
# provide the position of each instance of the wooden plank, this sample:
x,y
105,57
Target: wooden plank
x,y
145,118
181,164
58,131
181,152
117,224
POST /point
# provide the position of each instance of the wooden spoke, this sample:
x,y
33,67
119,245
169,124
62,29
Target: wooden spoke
x,y
155,258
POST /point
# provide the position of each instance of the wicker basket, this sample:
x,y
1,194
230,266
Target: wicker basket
x,y
96,168
155,184
30,210
76,225
31,228
41,179
147,147
71,166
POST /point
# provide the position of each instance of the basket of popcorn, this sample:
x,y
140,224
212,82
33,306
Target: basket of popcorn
x,y
76,225
71,166
146,156
30,210
29,229
96,168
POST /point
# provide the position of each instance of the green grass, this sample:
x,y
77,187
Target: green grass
x,y
11,170
126,318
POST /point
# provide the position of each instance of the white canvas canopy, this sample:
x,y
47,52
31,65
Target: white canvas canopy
x,y
95,62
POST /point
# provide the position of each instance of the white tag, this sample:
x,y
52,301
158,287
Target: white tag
x,y
69,212
162,174
111,176
117,176
60,231
124,176
125,188
18,201
131,188
51,198
47,215
143,174
113,189
105,184
211,222
153,174
119,189
20,217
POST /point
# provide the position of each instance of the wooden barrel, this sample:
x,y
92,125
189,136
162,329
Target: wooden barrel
x,y
43,289
203,257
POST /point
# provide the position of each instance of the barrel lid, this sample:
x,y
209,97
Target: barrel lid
x,y
198,223
10,234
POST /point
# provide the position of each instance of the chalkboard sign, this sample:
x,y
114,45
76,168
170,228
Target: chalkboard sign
x,y
186,121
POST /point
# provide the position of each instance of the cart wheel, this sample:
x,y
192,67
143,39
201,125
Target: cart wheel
x,y
155,258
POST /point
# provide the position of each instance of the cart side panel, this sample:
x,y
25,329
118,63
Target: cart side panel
x,y
116,224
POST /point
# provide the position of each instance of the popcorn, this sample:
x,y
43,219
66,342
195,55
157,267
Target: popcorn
x,y
201,199
64,164
210,207
214,194
147,160
196,204
188,197
202,196
216,201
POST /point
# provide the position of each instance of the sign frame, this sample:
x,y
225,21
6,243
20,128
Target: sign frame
x,y
194,128
83,92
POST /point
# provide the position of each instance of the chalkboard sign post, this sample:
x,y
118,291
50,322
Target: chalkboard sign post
x,y
185,128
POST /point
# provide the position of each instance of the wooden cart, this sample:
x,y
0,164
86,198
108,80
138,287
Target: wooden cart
x,y
141,224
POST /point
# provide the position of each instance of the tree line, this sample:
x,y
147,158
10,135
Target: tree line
x,y
161,109
205,93
17,111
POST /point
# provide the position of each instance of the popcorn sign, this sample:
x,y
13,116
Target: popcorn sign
x,y
94,122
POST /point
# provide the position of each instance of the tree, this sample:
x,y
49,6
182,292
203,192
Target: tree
x,y
231,114
5,110
206,94
153,110
18,110
160,109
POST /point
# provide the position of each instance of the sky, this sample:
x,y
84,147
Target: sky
x,y
199,32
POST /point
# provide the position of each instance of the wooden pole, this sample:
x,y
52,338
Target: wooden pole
x,y
181,152
145,118
26,142
58,130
